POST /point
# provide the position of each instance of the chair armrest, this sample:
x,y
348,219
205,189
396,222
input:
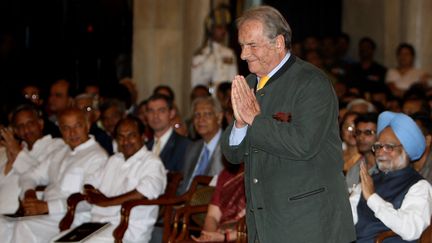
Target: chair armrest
x,y
241,231
126,208
183,216
167,199
72,202
384,235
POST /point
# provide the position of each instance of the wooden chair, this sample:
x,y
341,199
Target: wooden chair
x,y
241,231
174,179
168,202
191,216
426,236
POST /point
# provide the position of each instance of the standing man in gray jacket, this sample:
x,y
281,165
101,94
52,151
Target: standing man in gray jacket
x,y
286,133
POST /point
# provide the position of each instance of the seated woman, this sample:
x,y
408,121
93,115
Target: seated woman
x,y
227,206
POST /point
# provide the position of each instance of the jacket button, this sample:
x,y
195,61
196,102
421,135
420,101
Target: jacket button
x,y
255,180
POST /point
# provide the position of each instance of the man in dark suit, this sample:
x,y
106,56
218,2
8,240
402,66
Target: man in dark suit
x,y
287,135
170,146
204,156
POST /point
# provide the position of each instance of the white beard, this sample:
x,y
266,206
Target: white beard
x,y
387,166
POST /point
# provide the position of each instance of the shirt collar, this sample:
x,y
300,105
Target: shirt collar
x,y
40,141
135,157
279,66
90,142
211,146
164,138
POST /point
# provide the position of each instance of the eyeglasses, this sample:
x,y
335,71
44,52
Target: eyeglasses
x,y
205,114
366,132
31,96
349,128
388,147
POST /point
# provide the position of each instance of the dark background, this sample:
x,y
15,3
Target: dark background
x,y
90,40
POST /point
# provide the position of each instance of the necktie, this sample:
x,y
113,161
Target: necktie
x,y
203,162
157,146
262,82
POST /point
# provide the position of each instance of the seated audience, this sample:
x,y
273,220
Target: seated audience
x,y
166,143
365,136
361,106
397,198
424,164
367,74
60,98
349,144
401,78
176,122
197,91
63,174
204,157
227,206
27,126
133,173
89,104
112,110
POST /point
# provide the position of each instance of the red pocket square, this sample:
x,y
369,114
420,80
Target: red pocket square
x,y
282,116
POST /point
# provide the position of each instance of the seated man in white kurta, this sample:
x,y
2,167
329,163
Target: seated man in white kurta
x,y
133,173
397,198
63,173
27,125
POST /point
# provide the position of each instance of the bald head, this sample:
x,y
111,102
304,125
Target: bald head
x,y
74,126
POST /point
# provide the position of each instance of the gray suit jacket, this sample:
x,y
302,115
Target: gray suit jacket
x,y
191,160
295,187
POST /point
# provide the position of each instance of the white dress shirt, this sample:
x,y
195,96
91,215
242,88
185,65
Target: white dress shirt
x,y
64,173
144,172
25,160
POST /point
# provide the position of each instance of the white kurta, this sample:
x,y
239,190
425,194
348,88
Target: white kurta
x,y
213,65
405,81
26,159
64,173
144,172
410,220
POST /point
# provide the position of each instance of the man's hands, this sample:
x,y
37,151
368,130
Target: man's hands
x,y
12,145
245,105
207,236
367,184
94,196
33,206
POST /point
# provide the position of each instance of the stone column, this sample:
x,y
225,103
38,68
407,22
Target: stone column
x,y
165,34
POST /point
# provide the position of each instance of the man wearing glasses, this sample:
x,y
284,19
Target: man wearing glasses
x,y
397,198
365,135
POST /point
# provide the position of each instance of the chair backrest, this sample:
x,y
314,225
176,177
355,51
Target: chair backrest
x,y
241,231
202,196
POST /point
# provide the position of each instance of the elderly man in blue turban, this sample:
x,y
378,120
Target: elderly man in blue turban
x,y
397,198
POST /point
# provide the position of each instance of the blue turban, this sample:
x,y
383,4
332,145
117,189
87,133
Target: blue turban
x,y
406,130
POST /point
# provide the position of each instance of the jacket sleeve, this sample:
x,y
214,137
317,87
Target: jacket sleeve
x,y
234,154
